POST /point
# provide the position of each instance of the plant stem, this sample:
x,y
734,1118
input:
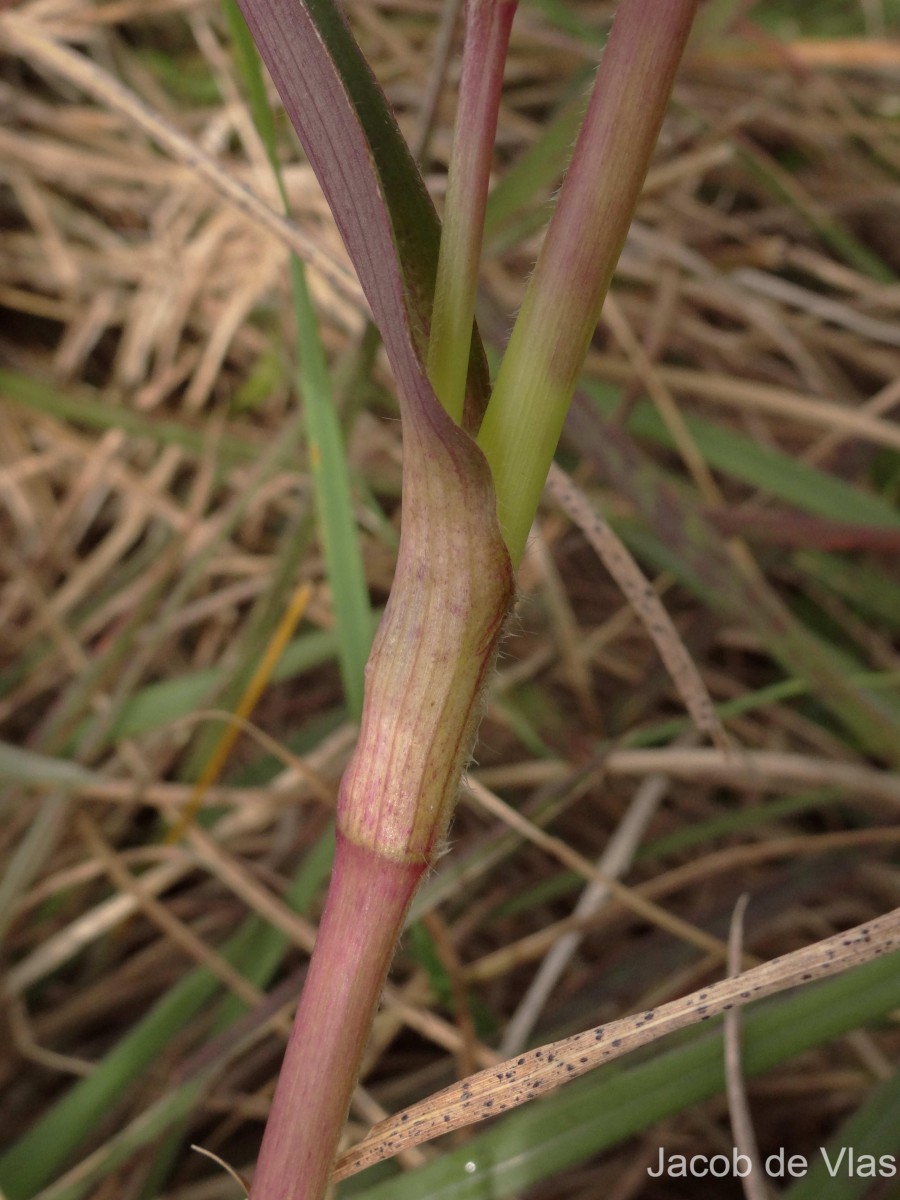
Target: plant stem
x,y
562,303
488,24
453,586
367,902
426,674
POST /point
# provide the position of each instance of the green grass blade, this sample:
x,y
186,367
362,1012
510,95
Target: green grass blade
x,y
872,591
150,1124
331,481
158,704
18,765
84,408
743,459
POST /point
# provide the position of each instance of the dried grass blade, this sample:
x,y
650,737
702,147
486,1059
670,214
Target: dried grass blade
x,y
643,599
538,1072
26,38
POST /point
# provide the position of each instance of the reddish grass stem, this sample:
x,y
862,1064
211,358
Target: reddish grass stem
x,y
562,303
364,914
